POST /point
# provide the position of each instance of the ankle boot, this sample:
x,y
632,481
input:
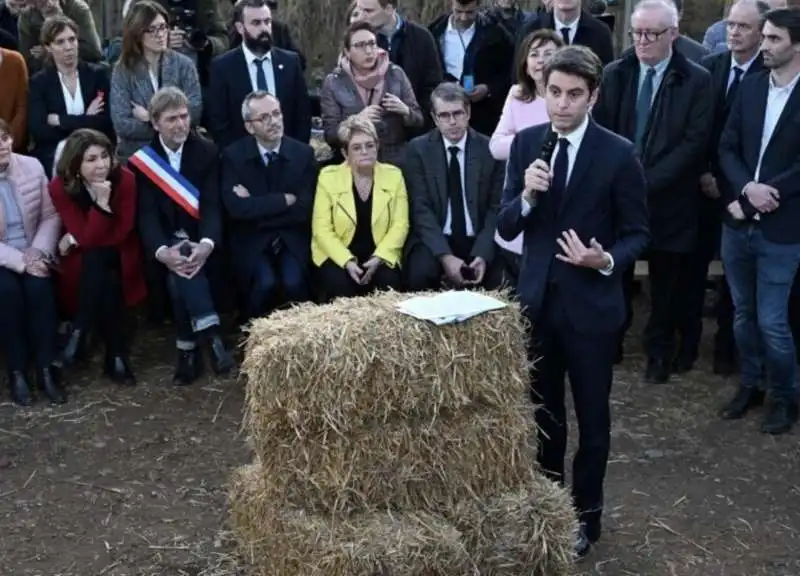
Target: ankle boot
x,y
117,368
50,383
74,351
20,389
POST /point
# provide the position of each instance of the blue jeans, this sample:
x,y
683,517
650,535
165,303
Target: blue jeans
x,y
192,307
760,274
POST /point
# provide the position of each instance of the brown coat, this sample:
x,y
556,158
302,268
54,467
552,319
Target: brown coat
x,y
14,96
339,100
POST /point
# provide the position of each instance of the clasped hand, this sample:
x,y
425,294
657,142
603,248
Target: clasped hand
x,y
186,266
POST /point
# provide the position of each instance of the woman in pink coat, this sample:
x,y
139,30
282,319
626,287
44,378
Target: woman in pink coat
x,y
29,229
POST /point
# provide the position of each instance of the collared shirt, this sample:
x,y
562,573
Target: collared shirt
x,y
252,69
454,46
173,156
74,105
263,150
572,28
660,70
462,147
777,97
743,67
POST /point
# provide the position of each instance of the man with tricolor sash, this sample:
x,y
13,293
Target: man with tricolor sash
x,y
180,223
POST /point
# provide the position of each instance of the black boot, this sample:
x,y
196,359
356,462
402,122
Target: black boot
x,y
221,358
20,390
74,351
781,416
117,368
50,383
742,402
188,368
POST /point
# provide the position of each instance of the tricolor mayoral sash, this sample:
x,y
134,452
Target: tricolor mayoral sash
x,y
169,180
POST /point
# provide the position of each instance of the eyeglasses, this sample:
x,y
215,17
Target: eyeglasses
x,y
157,29
364,46
647,35
268,117
448,116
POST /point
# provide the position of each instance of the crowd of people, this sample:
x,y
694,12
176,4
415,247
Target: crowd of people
x,y
157,166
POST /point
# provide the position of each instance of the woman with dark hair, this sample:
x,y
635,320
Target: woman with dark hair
x,y
101,256
29,227
366,83
67,94
146,65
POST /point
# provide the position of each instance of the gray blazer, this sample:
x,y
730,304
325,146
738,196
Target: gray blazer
x,y
130,87
425,173
339,99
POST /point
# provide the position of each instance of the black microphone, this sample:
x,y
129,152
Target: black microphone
x,y
549,147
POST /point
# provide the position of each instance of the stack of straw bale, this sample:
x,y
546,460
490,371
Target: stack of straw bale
x,y
387,445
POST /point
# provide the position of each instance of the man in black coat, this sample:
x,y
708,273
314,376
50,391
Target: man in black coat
x,y
576,26
663,103
180,224
472,50
268,183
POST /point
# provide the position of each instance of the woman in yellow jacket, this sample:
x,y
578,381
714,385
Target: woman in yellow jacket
x,y
360,220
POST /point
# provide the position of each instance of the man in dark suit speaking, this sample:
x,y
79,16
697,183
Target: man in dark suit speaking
x,y
584,214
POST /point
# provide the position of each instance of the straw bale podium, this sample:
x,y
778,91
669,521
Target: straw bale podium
x,y
386,445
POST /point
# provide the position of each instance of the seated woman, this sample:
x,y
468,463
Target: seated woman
x,y
146,65
101,258
366,83
360,219
29,228
67,94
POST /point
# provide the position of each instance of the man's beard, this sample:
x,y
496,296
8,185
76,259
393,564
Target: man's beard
x,y
261,43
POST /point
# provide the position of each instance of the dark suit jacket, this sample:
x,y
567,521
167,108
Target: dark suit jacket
x,y
591,33
159,215
230,83
265,216
739,149
46,97
605,198
675,141
425,174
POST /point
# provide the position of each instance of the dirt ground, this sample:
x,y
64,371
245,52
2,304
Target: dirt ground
x,y
131,482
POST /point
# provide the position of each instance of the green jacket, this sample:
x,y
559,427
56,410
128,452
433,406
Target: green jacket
x,y
30,28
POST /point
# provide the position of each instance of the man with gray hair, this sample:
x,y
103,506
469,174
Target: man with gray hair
x,y
683,44
180,224
716,36
268,182
661,101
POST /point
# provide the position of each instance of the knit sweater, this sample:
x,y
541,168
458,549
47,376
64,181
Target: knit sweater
x,y
14,96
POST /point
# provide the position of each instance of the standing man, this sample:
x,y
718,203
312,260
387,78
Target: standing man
x,y
727,70
661,101
584,215
268,183
759,156
256,65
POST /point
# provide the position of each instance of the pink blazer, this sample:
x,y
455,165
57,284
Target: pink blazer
x,y
516,116
39,217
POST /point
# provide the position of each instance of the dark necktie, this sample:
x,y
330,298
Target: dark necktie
x,y
458,221
261,76
560,168
565,34
643,104
737,78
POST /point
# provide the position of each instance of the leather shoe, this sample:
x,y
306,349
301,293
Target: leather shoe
x,y
587,536
187,369
781,415
74,351
117,368
221,358
742,402
49,382
20,390
657,371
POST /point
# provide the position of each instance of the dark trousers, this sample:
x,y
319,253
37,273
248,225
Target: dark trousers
x,y
276,274
336,282
100,299
423,271
587,359
690,323
670,278
794,313
192,306
27,316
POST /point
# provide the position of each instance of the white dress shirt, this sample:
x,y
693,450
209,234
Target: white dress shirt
x,y
777,97
572,28
575,138
252,69
448,223
263,150
743,67
74,105
454,45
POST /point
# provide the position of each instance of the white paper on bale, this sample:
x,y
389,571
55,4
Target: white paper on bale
x,y
449,307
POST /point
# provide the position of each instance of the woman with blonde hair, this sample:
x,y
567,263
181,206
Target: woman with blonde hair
x,y
101,268
146,65
360,217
